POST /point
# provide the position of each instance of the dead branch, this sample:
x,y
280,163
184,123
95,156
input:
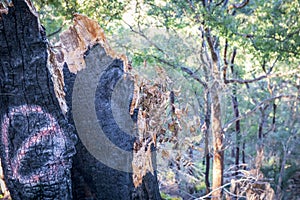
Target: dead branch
x,y
211,44
268,75
219,188
226,63
261,104
193,75
142,34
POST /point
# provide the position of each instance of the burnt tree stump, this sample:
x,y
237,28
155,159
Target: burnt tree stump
x,y
39,126
95,179
36,144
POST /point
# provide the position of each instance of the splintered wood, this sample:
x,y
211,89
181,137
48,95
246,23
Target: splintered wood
x,y
84,34
55,66
71,48
252,185
4,191
152,100
142,161
4,7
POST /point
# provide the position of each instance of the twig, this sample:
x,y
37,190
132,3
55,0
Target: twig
x,y
139,32
268,75
193,75
238,196
219,188
184,69
55,32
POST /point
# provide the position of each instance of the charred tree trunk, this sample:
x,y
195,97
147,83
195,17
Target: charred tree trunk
x,y
38,119
206,133
95,179
243,154
36,144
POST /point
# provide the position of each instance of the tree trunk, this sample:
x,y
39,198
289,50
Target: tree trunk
x,y
36,139
260,146
206,150
218,159
236,111
216,123
38,119
243,154
281,174
101,178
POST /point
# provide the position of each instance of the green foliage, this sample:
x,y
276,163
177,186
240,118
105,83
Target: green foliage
x,y
200,187
167,197
57,14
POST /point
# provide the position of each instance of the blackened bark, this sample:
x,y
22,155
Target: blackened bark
x,y
91,178
207,153
36,139
243,155
260,146
236,111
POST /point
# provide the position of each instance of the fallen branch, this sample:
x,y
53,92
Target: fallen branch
x,y
219,188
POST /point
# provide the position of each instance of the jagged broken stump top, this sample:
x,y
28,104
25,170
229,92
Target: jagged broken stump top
x,y
84,34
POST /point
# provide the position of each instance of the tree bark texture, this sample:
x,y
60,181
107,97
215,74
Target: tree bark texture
x,y
218,159
97,180
36,139
235,105
216,123
38,134
206,133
